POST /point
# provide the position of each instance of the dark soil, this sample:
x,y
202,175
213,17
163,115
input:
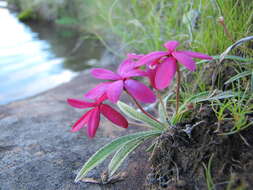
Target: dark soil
x,y
181,155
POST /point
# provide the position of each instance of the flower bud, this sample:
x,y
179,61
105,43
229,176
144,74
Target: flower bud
x,y
221,20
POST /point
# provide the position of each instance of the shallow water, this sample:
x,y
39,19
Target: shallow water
x,y
38,57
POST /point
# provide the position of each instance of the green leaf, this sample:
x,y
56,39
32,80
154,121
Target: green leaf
x,y
229,57
222,95
122,154
238,76
209,96
202,97
252,81
132,113
108,149
195,98
237,43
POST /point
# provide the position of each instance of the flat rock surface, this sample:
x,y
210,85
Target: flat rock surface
x,y
38,151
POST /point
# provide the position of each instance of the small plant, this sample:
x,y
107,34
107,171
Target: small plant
x,y
160,68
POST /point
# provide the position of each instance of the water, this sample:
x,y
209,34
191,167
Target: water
x,y
38,57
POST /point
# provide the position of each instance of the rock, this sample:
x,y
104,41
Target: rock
x,y
38,151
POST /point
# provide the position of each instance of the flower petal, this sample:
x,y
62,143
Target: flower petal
x,y
134,56
104,74
171,45
134,73
165,73
114,91
93,122
79,103
126,65
81,122
196,55
185,60
139,91
101,98
151,57
114,116
98,91
151,75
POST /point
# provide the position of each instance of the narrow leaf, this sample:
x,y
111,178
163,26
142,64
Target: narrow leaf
x,y
108,149
238,76
132,113
252,81
239,42
209,96
162,114
202,97
122,154
222,95
229,57
196,97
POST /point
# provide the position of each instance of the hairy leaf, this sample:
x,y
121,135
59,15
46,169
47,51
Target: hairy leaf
x,y
132,113
108,149
122,154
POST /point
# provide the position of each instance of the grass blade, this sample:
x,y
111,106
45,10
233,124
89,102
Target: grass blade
x,y
251,81
221,95
228,57
238,76
239,42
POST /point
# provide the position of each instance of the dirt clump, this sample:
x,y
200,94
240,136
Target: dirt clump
x,y
194,155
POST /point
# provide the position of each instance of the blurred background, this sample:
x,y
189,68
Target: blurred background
x,y
47,42
37,54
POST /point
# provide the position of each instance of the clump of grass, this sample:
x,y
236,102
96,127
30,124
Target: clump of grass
x,y
145,26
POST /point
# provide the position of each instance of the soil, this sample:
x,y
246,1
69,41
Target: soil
x,y
181,155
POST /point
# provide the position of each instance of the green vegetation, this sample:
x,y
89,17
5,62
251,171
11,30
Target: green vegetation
x,y
144,25
27,15
206,26
201,25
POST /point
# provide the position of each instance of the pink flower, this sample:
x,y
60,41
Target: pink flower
x,y
166,62
117,82
151,75
92,117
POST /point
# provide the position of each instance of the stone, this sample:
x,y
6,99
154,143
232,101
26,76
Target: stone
x,y
38,151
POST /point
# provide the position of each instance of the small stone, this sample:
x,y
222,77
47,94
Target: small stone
x,y
151,178
40,153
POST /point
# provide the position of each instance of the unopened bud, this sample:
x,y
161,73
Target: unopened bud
x,y
221,20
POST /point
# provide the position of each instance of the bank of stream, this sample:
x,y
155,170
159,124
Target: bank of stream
x,y
38,56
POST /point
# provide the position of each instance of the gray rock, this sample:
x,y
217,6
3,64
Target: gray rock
x,y
38,151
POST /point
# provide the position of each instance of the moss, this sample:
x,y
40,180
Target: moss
x,y
27,15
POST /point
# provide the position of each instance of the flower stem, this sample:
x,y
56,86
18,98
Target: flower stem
x,y
178,88
141,108
226,31
163,105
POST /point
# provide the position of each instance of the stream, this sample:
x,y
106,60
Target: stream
x,y
39,56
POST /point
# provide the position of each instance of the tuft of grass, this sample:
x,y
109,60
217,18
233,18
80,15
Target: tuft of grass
x,y
208,173
143,26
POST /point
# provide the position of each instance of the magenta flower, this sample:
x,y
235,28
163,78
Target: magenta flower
x,y
92,117
117,82
151,75
166,62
